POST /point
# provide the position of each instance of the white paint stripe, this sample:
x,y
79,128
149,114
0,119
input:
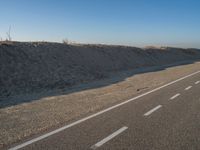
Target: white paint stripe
x,y
108,138
197,82
152,110
175,96
97,114
187,88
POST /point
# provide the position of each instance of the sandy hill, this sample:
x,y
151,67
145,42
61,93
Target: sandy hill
x,y
31,66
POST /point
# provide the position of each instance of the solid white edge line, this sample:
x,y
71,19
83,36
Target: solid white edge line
x,y
197,82
187,88
152,110
96,114
108,138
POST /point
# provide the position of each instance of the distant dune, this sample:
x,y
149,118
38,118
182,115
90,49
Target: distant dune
x,y
33,66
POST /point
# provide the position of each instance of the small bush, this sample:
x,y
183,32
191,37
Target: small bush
x,y
66,41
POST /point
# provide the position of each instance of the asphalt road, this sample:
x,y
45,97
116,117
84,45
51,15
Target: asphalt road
x,y
167,118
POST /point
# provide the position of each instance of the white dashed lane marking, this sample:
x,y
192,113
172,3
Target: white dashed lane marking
x,y
152,110
197,82
175,96
108,138
187,88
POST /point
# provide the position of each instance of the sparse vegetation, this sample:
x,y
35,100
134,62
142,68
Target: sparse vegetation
x,y
9,34
8,39
69,42
65,41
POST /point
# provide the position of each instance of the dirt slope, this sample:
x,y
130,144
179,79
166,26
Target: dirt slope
x,y
30,67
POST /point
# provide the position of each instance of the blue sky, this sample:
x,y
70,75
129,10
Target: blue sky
x,y
124,22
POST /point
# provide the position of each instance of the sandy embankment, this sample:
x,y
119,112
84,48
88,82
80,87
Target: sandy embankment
x,y
27,67
32,67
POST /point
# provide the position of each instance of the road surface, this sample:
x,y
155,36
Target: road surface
x,y
166,118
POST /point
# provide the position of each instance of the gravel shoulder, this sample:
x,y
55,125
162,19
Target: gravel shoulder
x,y
31,118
